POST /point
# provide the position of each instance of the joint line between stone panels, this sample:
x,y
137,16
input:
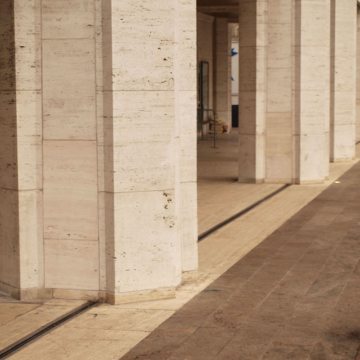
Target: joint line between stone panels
x,y
20,190
136,191
71,140
141,90
69,239
18,90
62,39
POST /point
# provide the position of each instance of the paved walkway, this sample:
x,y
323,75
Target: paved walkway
x,y
295,296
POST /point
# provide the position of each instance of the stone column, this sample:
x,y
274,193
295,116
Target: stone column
x,y
343,84
143,242
223,71
279,108
252,89
185,117
71,231
358,79
21,245
311,89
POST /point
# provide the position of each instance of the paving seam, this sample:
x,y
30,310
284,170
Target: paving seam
x,y
43,330
241,213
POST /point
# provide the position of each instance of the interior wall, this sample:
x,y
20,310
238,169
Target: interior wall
x,y
205,48
70,145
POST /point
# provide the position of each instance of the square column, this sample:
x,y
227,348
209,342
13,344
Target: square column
x,y
279,105
252,89
147,132
343,82
223,71
311,89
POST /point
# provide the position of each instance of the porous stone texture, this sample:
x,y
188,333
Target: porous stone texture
x,y
98,129
279,99
70,145
20,147
185,131
150,144
311,88
343,82
252,89
223,71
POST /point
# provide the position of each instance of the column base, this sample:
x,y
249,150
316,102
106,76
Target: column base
x,y
342,160
250,181
140,296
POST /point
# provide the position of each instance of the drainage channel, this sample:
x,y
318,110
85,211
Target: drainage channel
x,y
26,340
241,213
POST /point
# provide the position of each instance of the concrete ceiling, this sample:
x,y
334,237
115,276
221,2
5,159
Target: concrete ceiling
x,y
220,8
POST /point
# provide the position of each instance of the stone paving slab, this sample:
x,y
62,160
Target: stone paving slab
x,y
295,296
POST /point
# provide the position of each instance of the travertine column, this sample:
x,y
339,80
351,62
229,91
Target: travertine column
x,y
185,116
21,269
358,79
143,244
252,89
70,148
343,96
279,108
311,87
223,71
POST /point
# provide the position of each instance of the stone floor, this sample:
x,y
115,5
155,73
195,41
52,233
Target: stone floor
x,y
219,194
109,332
295,296
19,319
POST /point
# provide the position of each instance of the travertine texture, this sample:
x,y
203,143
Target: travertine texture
x,y
185,131
70,151
149,134
252,89
279,106
343,81
98,129
311,87
20,147
223,71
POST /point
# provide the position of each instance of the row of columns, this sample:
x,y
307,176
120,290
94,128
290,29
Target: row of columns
x,y
98,148
98,131
297,88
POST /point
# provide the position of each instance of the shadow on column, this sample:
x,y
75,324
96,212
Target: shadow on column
x,y
9,201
